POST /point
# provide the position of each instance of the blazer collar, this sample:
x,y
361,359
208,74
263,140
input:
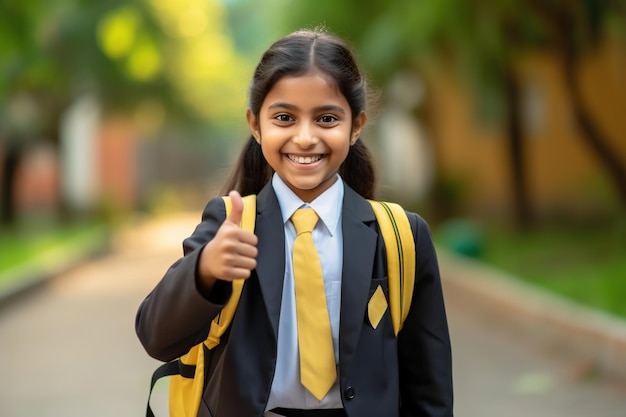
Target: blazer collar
x,y
271,257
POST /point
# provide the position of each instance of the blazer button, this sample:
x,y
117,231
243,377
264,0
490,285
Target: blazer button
x,y
348,393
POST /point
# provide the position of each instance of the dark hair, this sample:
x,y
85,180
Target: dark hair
x,y
297,54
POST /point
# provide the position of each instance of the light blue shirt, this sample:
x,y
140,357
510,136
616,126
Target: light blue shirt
x,y
287,390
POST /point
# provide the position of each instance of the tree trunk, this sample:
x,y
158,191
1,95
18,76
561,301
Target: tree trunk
x,y
12,156
592,135
522,211
443,202
562,23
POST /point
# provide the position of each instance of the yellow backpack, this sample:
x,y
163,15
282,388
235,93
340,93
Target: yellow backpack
x,y
187,372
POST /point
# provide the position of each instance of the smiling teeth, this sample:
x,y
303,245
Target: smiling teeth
x,y
305,159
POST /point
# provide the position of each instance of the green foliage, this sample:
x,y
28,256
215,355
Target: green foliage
x,y
173,54
389,35
26,253
481,39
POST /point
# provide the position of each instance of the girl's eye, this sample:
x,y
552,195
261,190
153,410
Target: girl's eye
x,y
327,119
285,118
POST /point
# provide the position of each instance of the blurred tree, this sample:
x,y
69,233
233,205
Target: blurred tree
x,y
484,40
173,58
417,35
575,30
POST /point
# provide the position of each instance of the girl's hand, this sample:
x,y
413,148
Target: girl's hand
x,y
232,252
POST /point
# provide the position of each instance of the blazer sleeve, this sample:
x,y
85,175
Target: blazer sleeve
x,y
424,351
175,316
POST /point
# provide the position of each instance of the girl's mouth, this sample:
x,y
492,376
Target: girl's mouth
x,y
308,159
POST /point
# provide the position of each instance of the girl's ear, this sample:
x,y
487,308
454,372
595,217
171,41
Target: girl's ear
x,y
254,125
357,127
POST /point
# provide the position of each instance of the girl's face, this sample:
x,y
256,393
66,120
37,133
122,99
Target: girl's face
x,y
305,130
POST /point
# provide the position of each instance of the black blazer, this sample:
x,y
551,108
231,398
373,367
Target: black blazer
x,y
379,375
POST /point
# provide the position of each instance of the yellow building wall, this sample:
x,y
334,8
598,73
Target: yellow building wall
x,y
562,171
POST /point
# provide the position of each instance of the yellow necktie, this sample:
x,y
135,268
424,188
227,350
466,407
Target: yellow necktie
x,y
317,359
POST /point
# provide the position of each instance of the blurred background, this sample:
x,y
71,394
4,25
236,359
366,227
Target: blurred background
x,y
501,122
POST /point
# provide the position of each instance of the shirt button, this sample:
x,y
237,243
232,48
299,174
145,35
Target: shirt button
x,y
348,393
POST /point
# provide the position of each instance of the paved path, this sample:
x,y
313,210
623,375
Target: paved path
x,y
69,349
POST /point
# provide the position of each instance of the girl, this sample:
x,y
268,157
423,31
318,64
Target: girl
x,y
306,112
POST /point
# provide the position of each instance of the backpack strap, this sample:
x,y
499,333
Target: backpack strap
x,y
398,236
225,317
172,368
187,372
400,247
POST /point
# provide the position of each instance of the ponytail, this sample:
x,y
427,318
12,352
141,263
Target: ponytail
x,y
251,171
358,170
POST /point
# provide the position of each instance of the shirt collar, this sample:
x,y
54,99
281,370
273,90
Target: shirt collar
x,y
327,205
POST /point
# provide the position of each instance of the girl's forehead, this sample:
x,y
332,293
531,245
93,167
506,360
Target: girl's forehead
x,y
309,87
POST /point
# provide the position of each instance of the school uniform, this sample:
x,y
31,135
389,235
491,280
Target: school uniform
x,y
378,374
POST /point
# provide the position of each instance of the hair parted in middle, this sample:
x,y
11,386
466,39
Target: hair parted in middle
x,y
300,53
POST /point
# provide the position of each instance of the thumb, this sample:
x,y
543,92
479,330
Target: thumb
x,y
236,208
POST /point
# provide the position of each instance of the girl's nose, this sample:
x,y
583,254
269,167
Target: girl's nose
x,y
305,136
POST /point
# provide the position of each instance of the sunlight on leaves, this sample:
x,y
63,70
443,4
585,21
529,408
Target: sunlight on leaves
x,y
202,63
188,18
195,53
144,61
117,30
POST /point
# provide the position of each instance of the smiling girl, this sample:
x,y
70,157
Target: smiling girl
x,y
307,109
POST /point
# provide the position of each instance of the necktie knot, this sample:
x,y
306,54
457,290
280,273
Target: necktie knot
x,y
304,220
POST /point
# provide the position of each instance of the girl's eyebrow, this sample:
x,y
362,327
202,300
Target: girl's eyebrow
x,y
288,106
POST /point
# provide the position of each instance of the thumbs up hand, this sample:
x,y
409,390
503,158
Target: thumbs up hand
x,y
232,252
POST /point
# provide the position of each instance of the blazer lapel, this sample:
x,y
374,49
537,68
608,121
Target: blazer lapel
x,y
359,248
271,257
